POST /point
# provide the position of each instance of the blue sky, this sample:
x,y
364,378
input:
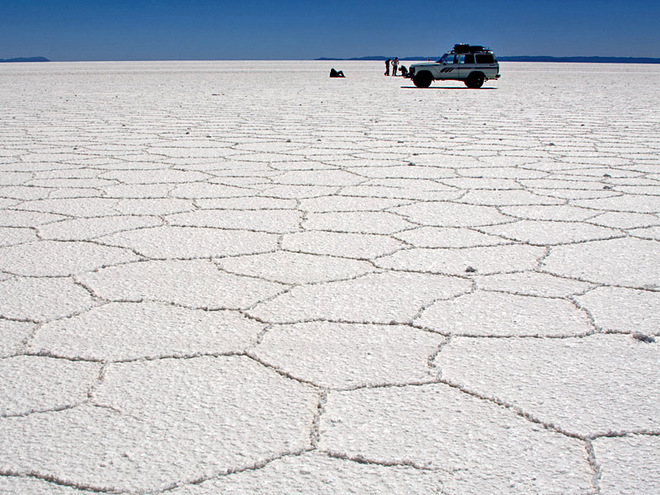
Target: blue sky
x,y
306,29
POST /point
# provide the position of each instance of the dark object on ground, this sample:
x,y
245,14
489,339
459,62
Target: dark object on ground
x,y
334,73
643,338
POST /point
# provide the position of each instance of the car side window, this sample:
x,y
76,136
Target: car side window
x,y
469,58
485,58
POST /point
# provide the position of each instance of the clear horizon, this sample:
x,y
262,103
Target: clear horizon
x,y
78,30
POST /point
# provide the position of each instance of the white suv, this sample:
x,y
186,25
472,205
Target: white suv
x,y
472,64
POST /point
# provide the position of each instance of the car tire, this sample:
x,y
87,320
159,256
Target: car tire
x,y
423,79
475,80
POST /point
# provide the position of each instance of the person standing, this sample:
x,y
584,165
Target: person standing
x,y
387,67
395,63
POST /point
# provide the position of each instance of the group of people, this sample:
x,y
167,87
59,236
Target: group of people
x,y
394,63
395,67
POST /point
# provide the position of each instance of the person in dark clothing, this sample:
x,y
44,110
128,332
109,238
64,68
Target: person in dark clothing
x,y
387,67
334,73
404,71
395,62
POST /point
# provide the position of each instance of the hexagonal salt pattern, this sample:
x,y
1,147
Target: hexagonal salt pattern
x,y
41,299
191,242
374,298
339,356
21,484
225,413
90,228
628,262
274,221
479,447
344,245
532,284
591,386
295,268
14,334
496,314
31,384
323,475
635,311
128,331
280,284
628,464
10,236
53,258
194,283
482,260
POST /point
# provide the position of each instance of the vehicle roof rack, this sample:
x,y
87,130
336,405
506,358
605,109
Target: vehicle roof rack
x,y
466,48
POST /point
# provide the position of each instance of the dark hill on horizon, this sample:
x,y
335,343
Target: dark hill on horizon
x,y
530,58
24,59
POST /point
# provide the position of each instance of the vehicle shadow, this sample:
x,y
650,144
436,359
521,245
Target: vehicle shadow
x,y
444,87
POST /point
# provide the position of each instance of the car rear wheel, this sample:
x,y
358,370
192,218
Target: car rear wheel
x,y
475,80
423,79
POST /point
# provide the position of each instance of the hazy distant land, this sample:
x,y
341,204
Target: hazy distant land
x,y
25,59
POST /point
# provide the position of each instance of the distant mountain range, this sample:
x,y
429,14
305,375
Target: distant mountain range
x,y
584,60
25,59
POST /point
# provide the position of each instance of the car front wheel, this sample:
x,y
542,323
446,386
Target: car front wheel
x,y
423,79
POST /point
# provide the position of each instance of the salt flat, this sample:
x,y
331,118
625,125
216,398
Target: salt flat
x,y
247,277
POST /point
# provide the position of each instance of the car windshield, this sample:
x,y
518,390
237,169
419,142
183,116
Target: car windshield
x,y
444,57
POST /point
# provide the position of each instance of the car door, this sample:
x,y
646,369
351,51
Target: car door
x,y
449,69
465,65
